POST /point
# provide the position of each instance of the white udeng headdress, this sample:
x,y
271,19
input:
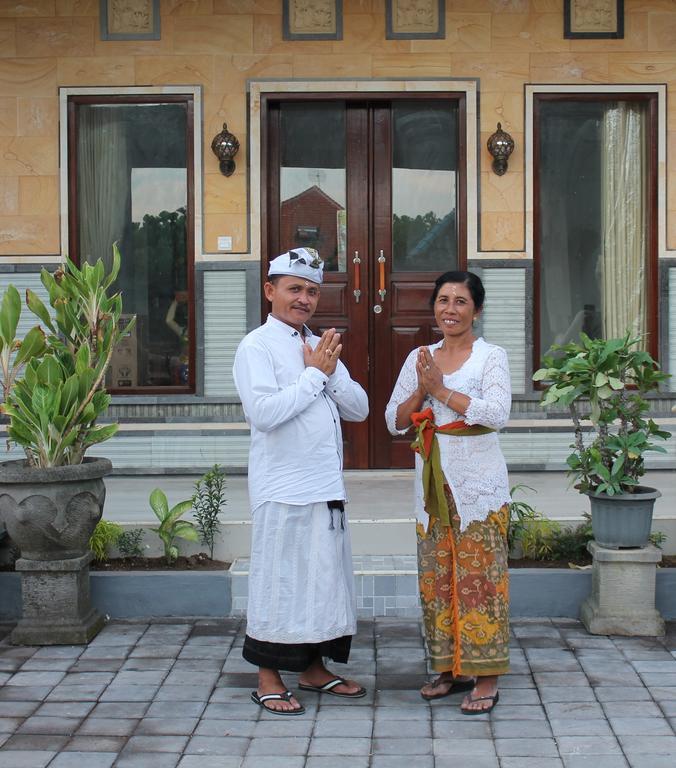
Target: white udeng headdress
x,y
299,262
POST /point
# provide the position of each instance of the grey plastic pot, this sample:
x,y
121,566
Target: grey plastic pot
x,y
623,520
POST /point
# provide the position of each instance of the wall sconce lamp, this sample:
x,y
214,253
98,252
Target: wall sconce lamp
x,y
225,146
501,146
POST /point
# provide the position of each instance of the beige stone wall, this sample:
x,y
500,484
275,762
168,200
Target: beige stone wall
x,y
218,44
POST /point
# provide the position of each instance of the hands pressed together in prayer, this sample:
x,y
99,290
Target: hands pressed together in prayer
x,y
430,379
325,355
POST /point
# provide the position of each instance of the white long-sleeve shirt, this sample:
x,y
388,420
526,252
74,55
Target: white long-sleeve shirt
x,y
474,466
296,454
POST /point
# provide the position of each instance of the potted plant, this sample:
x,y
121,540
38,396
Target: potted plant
x,y
605,381
53,386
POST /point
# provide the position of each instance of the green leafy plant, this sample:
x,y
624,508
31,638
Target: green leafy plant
x,y
537,539
105,536
53,407
520,514
610,378
658,538
171,526
207,502
129,542
570,543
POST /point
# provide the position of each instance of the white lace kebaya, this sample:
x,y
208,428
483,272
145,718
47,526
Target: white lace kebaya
x,y
474,466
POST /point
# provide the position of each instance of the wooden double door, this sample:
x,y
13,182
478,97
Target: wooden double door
x,y
377,186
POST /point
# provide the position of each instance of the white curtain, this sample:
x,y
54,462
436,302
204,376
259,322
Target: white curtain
x,y
103,182
625,224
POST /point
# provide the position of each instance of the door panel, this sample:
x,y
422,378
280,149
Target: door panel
x,y
374,186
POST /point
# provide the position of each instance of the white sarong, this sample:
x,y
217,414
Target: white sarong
x,y
301,581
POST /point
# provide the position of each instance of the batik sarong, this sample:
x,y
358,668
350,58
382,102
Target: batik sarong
x,y
464,591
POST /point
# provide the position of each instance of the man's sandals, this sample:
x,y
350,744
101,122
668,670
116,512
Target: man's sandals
x,y
329,688
284,696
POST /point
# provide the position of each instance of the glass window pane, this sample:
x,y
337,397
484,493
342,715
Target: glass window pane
x,y
593,226
312,180
133,190
424,186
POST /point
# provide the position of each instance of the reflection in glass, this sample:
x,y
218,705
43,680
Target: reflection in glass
x,y
424,186
132,189
312,180
593,220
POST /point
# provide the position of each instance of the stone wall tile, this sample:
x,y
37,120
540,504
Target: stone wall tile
x,y
232,72
231,224
10,9
96,70
662,32
29,235
267,37
247,6
28,156
7,38
428,65
187,7
174,70
8,116
519,32
496,72
642,67
78,8
504,107
635,38
38,117
39,195
19,77
162,47
222,108
502,231
9,196
464,32
568,67
332,65
55,37
224,194
363,33
214,34
502,193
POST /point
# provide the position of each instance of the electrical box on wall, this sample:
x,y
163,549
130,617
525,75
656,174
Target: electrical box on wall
x,y
224,243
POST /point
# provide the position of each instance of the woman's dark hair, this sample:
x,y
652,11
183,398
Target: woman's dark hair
x,y
472,281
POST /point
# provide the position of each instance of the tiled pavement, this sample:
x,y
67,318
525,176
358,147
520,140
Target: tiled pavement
x,y
169,694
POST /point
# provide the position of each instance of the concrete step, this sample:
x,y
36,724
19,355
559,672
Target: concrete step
x,y
380,507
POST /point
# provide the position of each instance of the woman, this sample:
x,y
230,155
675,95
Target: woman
x,y
459,389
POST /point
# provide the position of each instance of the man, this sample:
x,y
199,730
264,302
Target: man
x,y
295,390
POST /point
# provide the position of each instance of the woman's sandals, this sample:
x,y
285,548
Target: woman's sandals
x,y
454,686
494,699
284,696
328,688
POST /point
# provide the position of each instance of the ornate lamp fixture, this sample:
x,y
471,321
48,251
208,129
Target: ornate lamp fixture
x,y
225,146
501,146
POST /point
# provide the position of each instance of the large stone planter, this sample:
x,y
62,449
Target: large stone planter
x,y
50,514
623,520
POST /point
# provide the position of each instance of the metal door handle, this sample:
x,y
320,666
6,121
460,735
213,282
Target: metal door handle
x,y
357,277
381,270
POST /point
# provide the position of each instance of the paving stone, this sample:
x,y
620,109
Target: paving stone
x,y
395,728
336,761
465,728
574,710
220,711
334,746
594,761
517,681
463,749
634,693
36,742
166,726
588,745
565,679
573,727
244,728
35,679
658,692
65,709
653,678
85,692
111,744
621,673
129,693
640,726
524,747
183,693
561,695
156,744
478,761
150,760
520,712
101,726
24,693
46,665
410,746
25,759
217,745
161,651
512,696
176,709
514,729
50,725
294,761
392,761
18,708
122,709
269,727
651,761
340,728
147,665
531,762
402,712
220,761
648,745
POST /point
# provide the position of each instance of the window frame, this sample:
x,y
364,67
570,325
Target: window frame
x,y
73,102
651,98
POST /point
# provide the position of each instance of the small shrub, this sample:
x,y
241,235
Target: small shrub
x,y
537,539
571,543
658,538
520,515
105,536
171,527
207,502
129,542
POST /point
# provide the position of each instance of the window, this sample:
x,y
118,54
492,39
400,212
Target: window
x,y
595,217
131,183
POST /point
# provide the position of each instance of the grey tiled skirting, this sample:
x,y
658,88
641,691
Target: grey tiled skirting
x,y
384,586
176,694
